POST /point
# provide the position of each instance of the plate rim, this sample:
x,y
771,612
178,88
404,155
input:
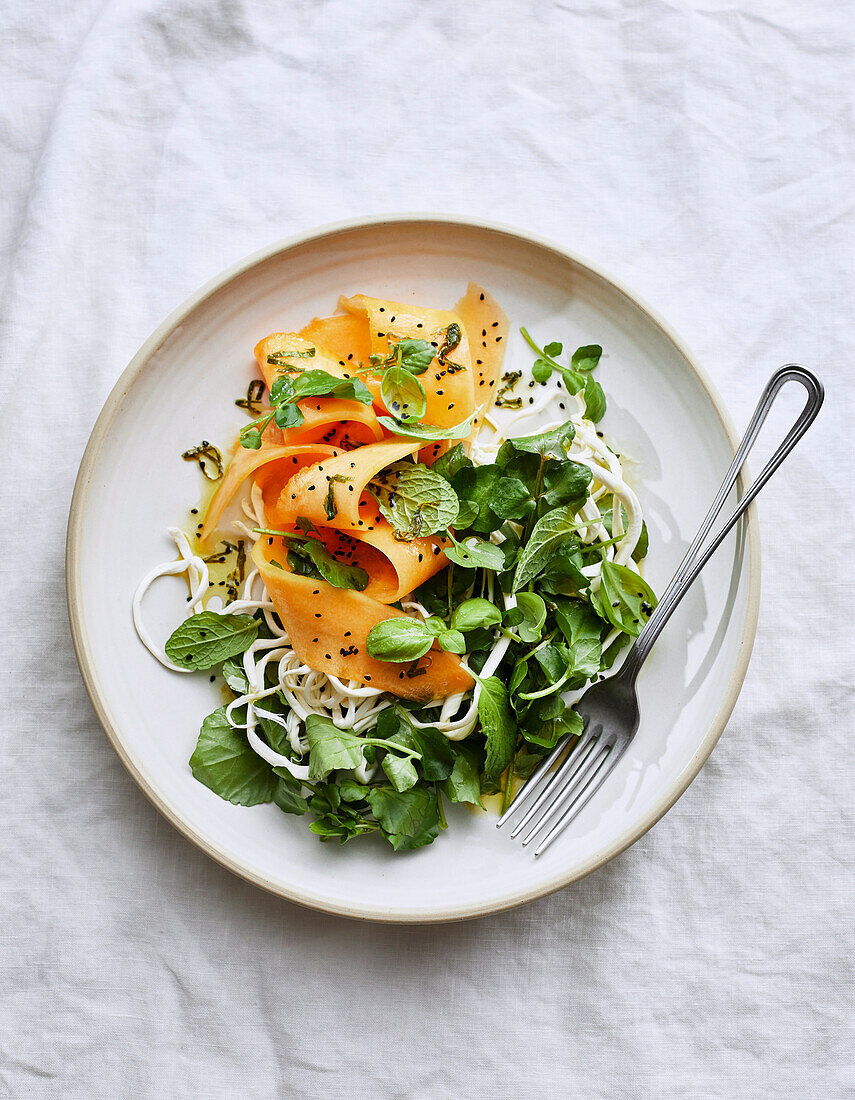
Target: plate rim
x,y
173,814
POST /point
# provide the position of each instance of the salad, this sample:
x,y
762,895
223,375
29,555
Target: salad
x,y
412,564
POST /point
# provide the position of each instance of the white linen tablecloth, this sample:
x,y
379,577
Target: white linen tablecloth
x,y
702,151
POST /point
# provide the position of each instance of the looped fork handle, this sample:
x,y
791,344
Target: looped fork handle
x,y
692,564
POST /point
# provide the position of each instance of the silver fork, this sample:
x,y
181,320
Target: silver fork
x,y
557,792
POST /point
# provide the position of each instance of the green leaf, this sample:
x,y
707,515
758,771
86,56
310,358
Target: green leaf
x,y
400,770
463,785
399,640
437,755
287,795
427,431
595,400
475,613
415,355
547,734
553,349
542,370
452,462
326,566
586,358
288,416
511,499
409,819
467,513
566,483
235,676
582,629
478,485
499,728
415,500
552,444
474,553
531,615
351,791
402,393
641,547
548,534
209,638
320,383
226,764
452,641
562,575
625,597
330,748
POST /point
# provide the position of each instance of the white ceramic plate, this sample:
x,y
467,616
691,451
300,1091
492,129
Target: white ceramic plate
x,y
180,387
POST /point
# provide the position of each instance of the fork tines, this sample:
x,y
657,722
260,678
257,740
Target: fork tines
x,y
565,786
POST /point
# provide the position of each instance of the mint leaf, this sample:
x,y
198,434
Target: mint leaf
x,y
208,639
548,534
310,558
414,499
499,727
226,764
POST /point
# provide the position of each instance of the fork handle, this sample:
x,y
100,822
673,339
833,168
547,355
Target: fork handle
x,y
696,558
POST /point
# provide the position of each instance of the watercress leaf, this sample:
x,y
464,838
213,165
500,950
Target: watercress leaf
x,y
209,638
415,355
626,598
399,640
326,566
467,513
566,483
499,727
463,784
475,613
525,763
553,444
282,391
550,531
320,383
402,393
478,485
586,358
427,431
595,399
251,440
400,771
553,349
226,764
511,499
548,734
532,612
452,641
553,660
474,553
451,462
433,594
436,752
351,791
330,748
409,819
541,371
415,500
288,798
288,416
